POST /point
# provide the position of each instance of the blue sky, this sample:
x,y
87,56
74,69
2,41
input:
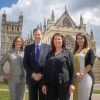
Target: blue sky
x,y
7,3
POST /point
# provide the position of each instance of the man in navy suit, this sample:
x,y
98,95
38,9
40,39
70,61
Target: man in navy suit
x,y
34,62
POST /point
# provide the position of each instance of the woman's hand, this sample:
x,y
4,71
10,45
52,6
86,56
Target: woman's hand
x,y
79,76
71,88
7,76
87,69
44,89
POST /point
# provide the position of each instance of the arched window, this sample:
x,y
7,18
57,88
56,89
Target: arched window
x,y
17,28
66,22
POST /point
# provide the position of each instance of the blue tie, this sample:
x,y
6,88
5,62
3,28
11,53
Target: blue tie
x,y
37,52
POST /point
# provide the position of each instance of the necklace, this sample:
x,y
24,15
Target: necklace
x,y
58,52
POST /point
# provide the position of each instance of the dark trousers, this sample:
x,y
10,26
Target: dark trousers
x,y
35,90
58,92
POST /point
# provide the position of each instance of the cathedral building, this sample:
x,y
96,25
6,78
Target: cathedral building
x,y
9,30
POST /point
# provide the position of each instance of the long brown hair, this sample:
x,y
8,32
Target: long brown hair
x,y
13,44
86,44
63,41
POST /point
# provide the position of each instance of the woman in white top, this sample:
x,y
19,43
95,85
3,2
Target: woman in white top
x,y
84,60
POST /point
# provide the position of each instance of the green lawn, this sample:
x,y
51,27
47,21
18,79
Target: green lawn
x,y
5,96
3,85
96,91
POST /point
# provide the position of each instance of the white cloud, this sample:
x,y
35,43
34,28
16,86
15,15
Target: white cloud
x,y
90,16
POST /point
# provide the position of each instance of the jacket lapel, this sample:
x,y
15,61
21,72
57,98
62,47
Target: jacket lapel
x,y
32,51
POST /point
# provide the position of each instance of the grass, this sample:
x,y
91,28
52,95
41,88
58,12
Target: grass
x,y
4,85
96,91
5,96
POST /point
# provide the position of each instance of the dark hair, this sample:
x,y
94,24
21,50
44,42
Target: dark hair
x,y
13,44
63,41
36,29
86,45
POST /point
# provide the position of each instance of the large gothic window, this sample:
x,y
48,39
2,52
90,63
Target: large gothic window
x,y
66,22
69,42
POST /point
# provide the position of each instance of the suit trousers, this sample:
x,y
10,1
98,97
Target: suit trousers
x,y
35,90
58,92
16,88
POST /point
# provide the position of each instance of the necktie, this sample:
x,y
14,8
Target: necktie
x,y
37,53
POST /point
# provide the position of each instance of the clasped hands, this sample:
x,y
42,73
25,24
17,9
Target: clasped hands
x,y
37,76
79,76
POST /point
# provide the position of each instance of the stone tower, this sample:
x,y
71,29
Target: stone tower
x,y
9,30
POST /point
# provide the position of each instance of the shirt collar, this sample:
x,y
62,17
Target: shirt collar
x,y
39,44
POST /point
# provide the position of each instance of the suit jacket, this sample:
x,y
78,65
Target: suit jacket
x,y
59,68
30,63
16,63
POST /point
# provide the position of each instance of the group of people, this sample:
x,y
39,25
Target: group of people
x,y
52,72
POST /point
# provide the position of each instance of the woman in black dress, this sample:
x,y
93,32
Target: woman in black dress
x,y
59,70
